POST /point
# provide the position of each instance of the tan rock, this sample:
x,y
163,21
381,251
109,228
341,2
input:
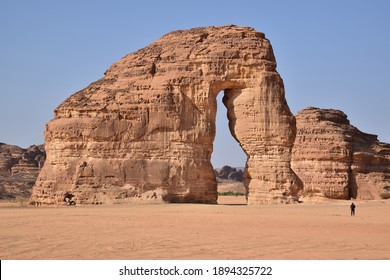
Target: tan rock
x,y
19,168
145,131
336,160
9,156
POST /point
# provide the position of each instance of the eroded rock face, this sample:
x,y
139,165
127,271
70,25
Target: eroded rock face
x,y
19,168
145,131
336,160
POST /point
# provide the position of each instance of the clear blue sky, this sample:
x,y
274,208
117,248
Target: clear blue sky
x,y
330,54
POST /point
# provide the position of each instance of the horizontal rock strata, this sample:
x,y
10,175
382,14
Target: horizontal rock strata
x,y
145,131
19,169
336,160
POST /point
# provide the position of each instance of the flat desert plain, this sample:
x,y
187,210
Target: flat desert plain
x,y
230,230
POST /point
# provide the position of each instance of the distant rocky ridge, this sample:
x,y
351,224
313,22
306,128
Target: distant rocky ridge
x,y
229,173
19,169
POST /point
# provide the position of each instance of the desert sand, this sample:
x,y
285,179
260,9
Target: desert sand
x,y
230,230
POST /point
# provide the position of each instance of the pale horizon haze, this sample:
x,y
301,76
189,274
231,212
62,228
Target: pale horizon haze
x,y
330,54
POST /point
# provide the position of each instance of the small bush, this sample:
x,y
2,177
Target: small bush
x,y
230,193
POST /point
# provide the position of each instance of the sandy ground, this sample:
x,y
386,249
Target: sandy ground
x,y
310,230
230,185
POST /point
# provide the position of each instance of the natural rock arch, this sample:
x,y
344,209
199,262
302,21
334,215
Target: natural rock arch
x,y
145,131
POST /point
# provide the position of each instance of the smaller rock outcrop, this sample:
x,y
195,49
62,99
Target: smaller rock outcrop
x,y
336,160
19,169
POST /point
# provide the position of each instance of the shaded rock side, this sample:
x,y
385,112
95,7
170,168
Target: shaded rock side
x,y
336,160
145,131
19,169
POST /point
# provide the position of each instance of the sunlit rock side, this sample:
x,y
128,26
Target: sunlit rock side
x,y
336,160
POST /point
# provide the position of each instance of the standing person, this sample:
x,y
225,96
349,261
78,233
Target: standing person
x,y
353,206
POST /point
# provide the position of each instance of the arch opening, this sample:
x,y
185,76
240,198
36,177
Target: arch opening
x,y
228,157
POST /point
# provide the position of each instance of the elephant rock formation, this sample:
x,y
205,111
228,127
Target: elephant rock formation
x,y
145,131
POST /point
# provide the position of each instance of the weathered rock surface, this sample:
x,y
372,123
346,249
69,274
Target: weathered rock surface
x,y
145,131
336,160
19,168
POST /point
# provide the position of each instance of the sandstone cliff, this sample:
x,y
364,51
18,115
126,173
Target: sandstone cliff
x,y
145,131
336,160
19,168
